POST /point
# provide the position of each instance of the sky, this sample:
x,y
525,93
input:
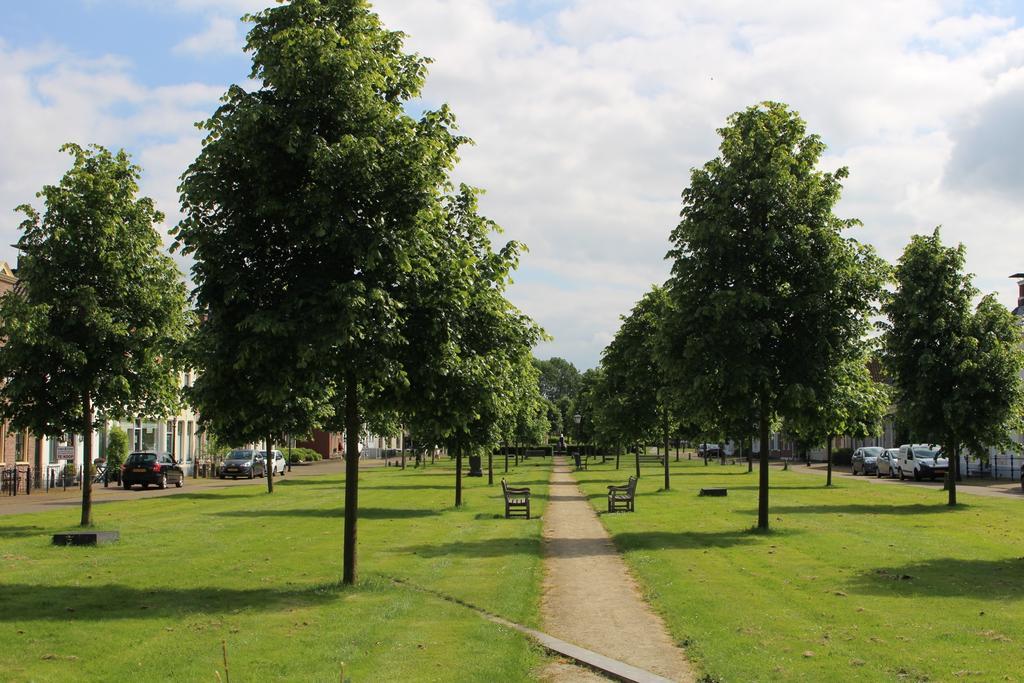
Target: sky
x,y
587,117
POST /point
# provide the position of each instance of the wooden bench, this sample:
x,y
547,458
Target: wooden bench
x,y
645,457
517,501
622,497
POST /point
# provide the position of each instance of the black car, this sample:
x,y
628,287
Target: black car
x,y
149,467
865,460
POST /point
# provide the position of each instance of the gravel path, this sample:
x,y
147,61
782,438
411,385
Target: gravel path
x,y
590,599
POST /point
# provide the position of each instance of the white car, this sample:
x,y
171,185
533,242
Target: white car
x,y
921,460
279,465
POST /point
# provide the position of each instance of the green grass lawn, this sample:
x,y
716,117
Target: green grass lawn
x,y
262,572
860,582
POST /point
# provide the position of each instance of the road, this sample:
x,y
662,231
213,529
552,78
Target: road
x,y
998,488
40,502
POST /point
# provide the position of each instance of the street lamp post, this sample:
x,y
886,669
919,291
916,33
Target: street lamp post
x,y
577,418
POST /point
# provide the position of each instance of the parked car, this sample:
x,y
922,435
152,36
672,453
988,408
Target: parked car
x,y
886,463
242,462
150,467
921,460
279,463
865,460
708,450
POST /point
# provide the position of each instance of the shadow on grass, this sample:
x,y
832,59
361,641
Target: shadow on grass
x,y
860,509
217,496
946,577
20,531
491,547
97,602
692,540
339,512
783,487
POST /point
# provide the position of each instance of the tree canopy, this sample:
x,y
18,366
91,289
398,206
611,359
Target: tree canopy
x,y
764,284
94,325
955,367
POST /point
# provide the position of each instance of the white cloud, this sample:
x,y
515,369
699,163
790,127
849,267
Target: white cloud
x,y
588,120
53,96
589,114
221,36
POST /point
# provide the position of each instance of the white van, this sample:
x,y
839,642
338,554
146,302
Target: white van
x,y
921,460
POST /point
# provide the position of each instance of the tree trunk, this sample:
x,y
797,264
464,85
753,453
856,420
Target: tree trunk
x,y
959,476
950,476
38,483
665,418
638,461
268,465
762,489
828,459
87,459
352,429
458,476
490,467
677,450
750,456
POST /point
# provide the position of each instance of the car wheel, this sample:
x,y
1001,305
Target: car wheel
x,y
223,476
128,487
1022,481
180,482
145,485
163,481
901,474
252,474
917,475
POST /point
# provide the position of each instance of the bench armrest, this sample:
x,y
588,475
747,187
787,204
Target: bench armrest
x,y
620,487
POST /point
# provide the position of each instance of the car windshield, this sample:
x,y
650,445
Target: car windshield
x,y
240,455
873,452
142,458
925,453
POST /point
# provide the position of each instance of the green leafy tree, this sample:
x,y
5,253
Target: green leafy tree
x,y
328,187
469,365
955,368
558,378
764,285
92,330
853,405
637,385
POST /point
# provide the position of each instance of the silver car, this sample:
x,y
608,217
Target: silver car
x,y
886,463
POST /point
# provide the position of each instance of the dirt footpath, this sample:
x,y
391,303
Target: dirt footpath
x,y
590,599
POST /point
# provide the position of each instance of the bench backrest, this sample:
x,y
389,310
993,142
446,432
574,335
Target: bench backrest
x,y
504,487
632,486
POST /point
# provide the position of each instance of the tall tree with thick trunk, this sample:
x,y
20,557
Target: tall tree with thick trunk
x,y
763,282
955,367
93,327
319,188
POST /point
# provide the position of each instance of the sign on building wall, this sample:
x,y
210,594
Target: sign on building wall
x,y
65,452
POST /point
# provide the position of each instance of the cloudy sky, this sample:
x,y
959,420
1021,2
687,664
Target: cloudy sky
x,y
587,117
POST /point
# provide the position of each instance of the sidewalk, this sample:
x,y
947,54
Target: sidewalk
x,y
590,599
996,488
40,500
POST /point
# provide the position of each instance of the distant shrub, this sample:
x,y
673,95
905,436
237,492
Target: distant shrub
x,y
302,455
842,456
